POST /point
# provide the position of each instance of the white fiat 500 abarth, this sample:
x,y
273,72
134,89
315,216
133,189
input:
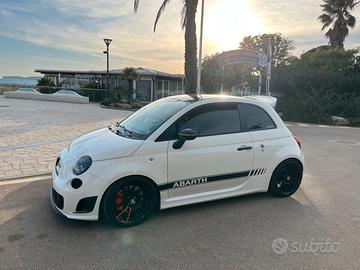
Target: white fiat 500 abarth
x,y
175,151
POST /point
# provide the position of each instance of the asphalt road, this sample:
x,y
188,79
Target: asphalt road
x,y
319,225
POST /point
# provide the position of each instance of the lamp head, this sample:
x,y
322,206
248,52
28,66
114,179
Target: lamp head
x,y
107,41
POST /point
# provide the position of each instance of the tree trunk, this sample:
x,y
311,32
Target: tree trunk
x,y
337,36
130,91
190,47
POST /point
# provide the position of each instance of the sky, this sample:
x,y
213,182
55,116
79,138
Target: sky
x,y
68,34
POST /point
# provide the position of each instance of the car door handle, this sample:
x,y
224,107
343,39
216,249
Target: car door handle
x,y
243,148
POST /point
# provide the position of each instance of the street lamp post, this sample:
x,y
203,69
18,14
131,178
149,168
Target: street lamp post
x,y
107,43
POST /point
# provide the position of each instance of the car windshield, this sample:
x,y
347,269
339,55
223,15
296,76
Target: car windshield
x,y
145,121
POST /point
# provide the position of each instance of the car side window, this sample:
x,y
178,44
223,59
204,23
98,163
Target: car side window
x,y
207,120
256,118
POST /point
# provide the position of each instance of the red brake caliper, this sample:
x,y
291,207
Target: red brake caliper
x,y
119,200
119,203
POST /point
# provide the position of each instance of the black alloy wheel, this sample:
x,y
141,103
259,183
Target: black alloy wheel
x,y
286,178
130,202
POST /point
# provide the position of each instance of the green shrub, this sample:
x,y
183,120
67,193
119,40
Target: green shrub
x,y
321,84
354,121
45,82
135,104
107,101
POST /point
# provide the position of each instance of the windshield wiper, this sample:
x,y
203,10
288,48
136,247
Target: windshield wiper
x,y
124,128
110,128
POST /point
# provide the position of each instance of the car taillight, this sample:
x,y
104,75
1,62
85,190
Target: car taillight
x,y
298,140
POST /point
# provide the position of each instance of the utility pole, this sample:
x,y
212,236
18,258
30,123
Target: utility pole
x,y
260,82
107,43
268,76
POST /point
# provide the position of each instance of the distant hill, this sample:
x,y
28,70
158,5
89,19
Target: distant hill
x,y
33,78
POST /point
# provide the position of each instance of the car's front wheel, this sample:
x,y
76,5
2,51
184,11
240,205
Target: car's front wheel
x,y
129,202
286,178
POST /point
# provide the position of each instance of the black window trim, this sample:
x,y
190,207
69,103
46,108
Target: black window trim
x,y
243,120
242,125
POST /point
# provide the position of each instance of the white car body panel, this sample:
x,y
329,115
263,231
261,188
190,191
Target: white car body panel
x,y
202,157
112,145
115,157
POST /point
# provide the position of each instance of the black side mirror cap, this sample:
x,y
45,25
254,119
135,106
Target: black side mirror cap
x,y
184,135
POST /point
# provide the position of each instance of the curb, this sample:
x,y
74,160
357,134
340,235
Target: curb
x,y
299,124
19,178
117,108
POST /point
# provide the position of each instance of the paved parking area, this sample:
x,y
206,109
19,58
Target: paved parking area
x,y
32,133
317,228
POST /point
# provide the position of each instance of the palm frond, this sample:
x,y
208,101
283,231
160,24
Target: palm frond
x,y
326,20
351,4
329,34
183,16
161,9
351,21
136,5
329,9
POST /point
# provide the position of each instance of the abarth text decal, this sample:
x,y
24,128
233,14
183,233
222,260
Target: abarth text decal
x,y
202,180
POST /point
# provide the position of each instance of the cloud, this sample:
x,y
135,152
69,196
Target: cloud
x,y
80,25
97,9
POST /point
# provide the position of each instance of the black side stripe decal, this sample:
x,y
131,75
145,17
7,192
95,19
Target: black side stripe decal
x,y
202,180
257,172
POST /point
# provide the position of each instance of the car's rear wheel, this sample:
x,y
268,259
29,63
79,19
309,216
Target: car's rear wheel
x,y
129,202
286,178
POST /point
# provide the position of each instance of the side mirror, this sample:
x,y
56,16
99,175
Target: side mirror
x,y
184,135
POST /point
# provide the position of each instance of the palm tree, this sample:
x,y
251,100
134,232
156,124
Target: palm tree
x,y
130,74
336,16
188,14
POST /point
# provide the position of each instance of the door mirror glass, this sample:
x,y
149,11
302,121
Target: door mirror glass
x,y
184,135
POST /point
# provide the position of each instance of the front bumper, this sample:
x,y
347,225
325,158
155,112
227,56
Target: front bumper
x,y
82,203
53,206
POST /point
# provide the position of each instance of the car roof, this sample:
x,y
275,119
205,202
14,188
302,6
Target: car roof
x,y
195,101
215,98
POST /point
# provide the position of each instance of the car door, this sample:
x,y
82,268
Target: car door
x,y
220,157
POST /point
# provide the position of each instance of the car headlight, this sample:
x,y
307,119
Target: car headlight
x,y
82,165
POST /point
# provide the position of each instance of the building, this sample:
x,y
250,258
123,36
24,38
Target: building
x,y
152,84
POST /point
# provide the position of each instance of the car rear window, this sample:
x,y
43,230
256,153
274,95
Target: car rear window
x,y
256,118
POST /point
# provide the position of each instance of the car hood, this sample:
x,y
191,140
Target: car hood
x,y
103,144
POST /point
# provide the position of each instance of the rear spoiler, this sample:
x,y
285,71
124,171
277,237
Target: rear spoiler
x,y
266,99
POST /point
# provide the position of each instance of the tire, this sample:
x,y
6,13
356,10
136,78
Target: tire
x,y
286,178
130,201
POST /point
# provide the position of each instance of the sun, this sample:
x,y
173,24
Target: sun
x,y
227,22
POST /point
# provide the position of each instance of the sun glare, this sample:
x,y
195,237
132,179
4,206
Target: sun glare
x,y
228,21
